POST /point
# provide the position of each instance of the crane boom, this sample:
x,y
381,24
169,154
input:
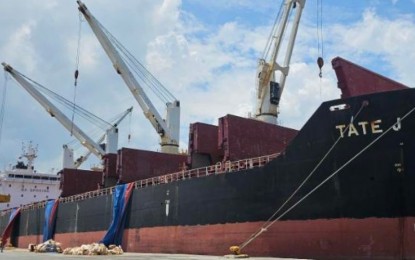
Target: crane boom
x,y
84,157
167,128
55,112
268,91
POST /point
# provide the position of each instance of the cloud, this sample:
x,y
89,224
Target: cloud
x,y
19,44
375,38
211,75
210,69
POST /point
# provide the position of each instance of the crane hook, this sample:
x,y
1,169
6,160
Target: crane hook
x,y
76,76
320,63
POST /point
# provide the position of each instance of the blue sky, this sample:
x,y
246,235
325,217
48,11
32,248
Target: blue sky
x,y
204,52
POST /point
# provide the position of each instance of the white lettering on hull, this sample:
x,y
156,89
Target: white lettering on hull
x,y
364,128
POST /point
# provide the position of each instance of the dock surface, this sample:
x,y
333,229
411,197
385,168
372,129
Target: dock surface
x,y
22,254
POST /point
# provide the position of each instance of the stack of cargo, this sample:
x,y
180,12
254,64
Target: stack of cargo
x,y
241,138
203,145
235,138
75,181
133,165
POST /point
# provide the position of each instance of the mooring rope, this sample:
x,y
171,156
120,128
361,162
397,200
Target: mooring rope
x,y
269,223
262,228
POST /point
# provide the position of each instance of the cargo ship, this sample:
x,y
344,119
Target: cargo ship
x,y
23,184
353,157
338,188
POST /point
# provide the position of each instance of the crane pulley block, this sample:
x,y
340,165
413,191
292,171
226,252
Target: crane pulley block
x,y
274,95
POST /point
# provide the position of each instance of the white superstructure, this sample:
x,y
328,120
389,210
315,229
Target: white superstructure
x,y
25,185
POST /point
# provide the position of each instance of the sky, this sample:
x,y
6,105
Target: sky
x,y
204,52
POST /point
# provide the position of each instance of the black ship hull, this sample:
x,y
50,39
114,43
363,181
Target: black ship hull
x,y
358,201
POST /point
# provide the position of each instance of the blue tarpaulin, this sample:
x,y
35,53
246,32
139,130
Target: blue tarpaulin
x,y
50,219
9,228
120,199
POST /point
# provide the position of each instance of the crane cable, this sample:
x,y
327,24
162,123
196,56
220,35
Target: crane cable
x,y
270,220
68,104
272,33
3,103
94,133
146,78
129,128
76,74
319,31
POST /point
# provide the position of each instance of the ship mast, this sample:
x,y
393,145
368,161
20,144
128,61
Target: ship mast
x,y
269,90
30,153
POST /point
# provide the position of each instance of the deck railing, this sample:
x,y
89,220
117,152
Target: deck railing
x,y
218,168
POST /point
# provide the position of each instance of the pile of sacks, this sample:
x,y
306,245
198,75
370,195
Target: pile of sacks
x,y
46,247
94,249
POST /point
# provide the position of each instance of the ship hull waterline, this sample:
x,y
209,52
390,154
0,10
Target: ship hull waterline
x,y
364,207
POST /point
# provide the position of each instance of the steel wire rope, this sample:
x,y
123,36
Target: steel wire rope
x,y
277,21
342,167
145,74
129,128
263,227
319,27
78,53
147,78
151,82
285,29
78,110
76,145
93,133
81,111
130,63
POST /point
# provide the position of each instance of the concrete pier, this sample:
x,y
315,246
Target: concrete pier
x,y
22,254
